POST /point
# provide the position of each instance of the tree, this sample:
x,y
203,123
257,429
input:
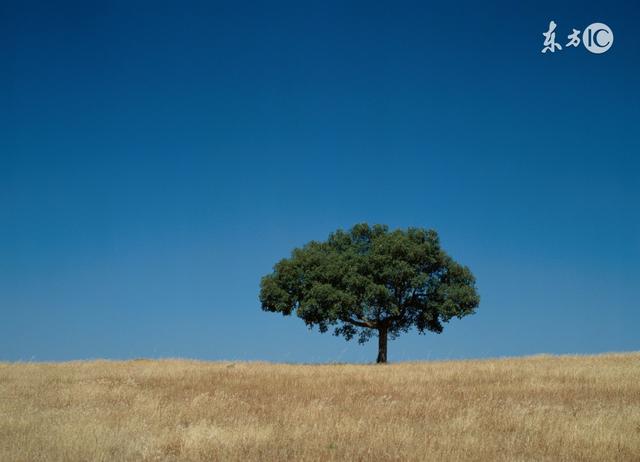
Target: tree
x,y
371,279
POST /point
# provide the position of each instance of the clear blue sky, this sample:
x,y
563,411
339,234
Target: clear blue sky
x,y
157,159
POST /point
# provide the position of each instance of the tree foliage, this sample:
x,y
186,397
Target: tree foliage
x,y
371,279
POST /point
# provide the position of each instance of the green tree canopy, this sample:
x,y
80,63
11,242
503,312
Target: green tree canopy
x,y
370,279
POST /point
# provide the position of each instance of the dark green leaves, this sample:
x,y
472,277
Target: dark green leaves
x,y
371,278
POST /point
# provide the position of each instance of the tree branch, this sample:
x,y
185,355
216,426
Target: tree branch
x,y
365,324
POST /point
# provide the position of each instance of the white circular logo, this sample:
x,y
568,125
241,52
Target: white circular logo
x,y
597,38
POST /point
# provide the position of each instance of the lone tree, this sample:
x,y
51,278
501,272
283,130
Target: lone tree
x,y
371,279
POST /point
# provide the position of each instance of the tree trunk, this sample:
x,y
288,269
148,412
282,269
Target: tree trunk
x,y
382,345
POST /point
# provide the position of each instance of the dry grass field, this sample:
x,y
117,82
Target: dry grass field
x,y
543,408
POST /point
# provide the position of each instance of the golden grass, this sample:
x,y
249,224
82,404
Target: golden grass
x,y
543,408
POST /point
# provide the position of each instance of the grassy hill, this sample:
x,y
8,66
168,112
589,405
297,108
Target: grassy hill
x,y
573,408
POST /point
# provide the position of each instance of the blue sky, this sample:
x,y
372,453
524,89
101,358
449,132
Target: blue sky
x,y
157,159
